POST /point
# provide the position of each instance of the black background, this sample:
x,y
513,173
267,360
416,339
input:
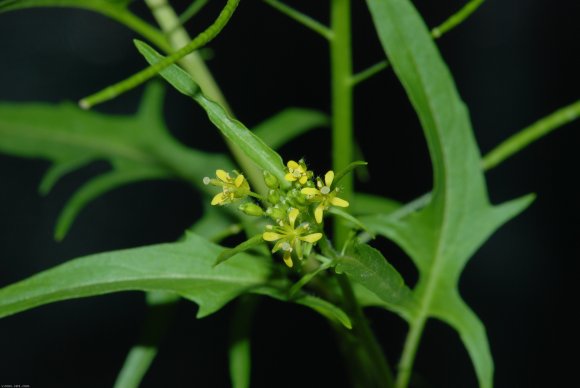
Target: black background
x,y
513,62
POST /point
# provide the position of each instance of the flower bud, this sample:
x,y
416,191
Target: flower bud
x,y
274,196
251,209
270,180
276,213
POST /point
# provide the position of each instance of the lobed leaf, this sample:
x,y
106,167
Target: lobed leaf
x,y
138,147
442,236
184,268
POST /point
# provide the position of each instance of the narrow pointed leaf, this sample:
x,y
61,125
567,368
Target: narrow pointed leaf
x,y
184,268
254,147
441,237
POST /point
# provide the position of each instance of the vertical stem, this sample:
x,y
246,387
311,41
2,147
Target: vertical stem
x,y
409,352
178,37
342,106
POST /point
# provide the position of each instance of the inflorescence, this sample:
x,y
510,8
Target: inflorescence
x,y
297,211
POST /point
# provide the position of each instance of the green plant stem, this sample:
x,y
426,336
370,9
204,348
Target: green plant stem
x,y
450,23
301,18
178,37
373,353
342,101
192,10
409,351
523,138
381,369
456,19
137,79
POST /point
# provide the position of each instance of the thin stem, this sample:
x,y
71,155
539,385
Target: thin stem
x,y
137,79
456,19
372,352
193,63
342,101
523,138
192,10
301,18
381,370
450,23
409,352
369,72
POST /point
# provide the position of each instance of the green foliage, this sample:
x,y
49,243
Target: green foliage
x,y
137,147
369,268
184,268
249,143
439,231
441,237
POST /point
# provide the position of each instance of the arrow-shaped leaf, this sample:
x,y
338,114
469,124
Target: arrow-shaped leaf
x,y
441,237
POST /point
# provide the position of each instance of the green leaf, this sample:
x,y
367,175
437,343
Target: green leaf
x,y
248,244
13,5
441,237
369,268
288,125
323,307
184,268
138,147
262,155
365,204
350,219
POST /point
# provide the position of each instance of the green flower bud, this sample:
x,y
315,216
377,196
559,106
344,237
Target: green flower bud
x,y
270,180
251,209
276,213
274,196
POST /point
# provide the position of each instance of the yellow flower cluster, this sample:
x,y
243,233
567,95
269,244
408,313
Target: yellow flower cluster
x,y
297,211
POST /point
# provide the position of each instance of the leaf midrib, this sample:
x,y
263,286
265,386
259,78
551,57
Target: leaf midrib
x,y
426,296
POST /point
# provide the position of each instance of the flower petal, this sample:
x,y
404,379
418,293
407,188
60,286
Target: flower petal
x,y
292,215
271,236
289,177
318,213
310,191
339,202
219,198
292,165
303,179
288,259
328,178
311,238
239,180
224,176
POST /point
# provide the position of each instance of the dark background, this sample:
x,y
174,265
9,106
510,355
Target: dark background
x,y
513,62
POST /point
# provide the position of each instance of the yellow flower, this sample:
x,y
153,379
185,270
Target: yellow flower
x,y
290,238
232,188
324,195
298,172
